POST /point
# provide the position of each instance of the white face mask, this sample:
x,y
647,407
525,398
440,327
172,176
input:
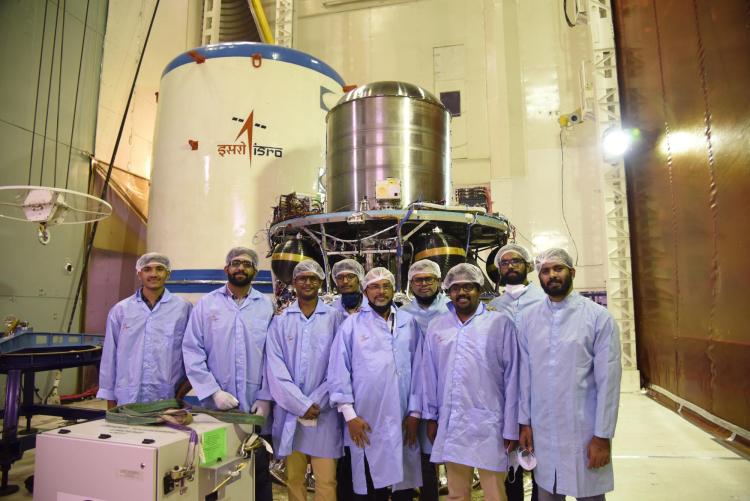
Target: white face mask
x,y
515,290
513,466
519,460
526,459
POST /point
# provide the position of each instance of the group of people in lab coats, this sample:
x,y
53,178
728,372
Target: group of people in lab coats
x,y
373,396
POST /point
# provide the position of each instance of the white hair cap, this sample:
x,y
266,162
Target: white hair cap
x,y
519,249
241,251
554,255
424,267
463,273
377,274
349,266
308,266
152,257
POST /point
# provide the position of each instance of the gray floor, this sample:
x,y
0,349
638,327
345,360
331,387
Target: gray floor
x,y
657,456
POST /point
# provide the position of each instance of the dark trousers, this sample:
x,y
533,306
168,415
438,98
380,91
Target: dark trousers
x,y
429,489
263,488
514,490
384,493
344,486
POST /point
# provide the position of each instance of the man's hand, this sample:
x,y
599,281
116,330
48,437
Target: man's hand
x,y
183,389
224,400
432,427
599,452
411,425
312,413
510,445
261,408
358,429
526,438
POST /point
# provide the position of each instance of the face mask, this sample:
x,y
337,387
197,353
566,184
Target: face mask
x,y
519,460
351,300
515,290
381,309
513,466
426,301
526,459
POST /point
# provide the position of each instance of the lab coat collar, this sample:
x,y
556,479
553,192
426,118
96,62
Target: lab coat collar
x,y
516,291
252,294
436,303
164,297
569,301
400,319
319,308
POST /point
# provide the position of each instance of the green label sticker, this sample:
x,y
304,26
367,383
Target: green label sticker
x,y
214,444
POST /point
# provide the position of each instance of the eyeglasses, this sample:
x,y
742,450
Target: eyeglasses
x,y
241,263
504,263
308,279
379,288
465,287
423,280
345,277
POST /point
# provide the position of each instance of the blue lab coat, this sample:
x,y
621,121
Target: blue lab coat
x,y
373,366
142,355
297,354
569,390
470,387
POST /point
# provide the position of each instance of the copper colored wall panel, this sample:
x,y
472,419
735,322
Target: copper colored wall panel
x,y
684,68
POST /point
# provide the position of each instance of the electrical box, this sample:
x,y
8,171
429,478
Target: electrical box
x,y
103,461
388,189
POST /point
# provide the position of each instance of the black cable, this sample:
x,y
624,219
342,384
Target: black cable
x,y
95,225
38,82
59,92
562,193
49,94
78,86
565,11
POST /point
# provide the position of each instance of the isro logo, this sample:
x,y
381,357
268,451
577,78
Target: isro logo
x,y
249,147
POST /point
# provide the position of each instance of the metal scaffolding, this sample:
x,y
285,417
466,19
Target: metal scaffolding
x,y
598,17
283,24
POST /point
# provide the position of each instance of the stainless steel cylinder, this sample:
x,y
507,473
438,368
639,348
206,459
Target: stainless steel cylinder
x,y
387,130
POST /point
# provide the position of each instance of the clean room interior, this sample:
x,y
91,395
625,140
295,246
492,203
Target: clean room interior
x,y
537,91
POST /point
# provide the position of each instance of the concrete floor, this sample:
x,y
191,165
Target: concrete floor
x,y
658,455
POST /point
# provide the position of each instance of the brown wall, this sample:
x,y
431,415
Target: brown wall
x,y
684,69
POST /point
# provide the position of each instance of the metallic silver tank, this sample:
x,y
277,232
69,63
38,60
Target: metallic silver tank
x,y
387,130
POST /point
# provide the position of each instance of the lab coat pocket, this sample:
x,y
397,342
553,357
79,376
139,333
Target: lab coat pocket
x,y
321,346
279,417
258,331
156,390
584,351
251,390
371,354
480,425
126,393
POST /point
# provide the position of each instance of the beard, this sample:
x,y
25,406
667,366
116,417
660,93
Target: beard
x,y
565,287
239,282
518,277
351,299
380,309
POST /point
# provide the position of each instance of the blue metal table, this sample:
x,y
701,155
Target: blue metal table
x,y
21,356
